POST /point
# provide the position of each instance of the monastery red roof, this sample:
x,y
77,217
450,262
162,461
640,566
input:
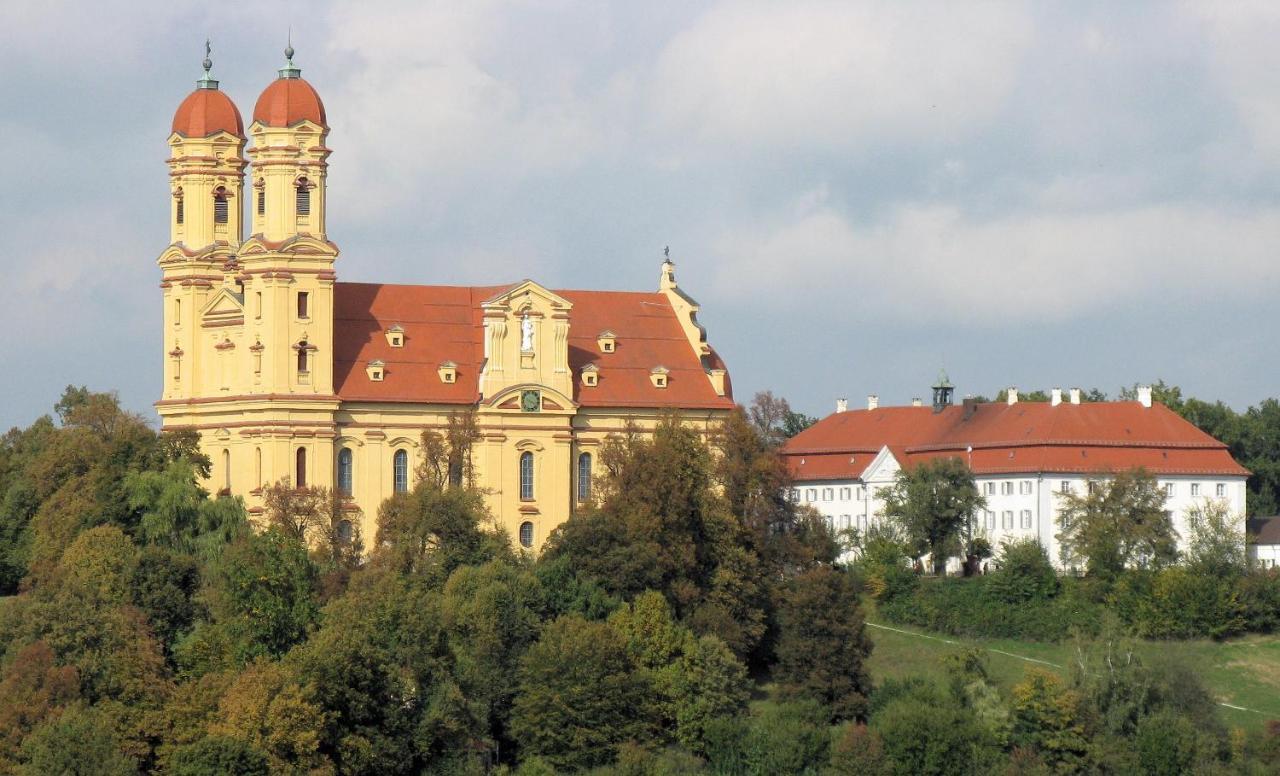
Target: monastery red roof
x,y
207,112
444,323
1005,438
287,101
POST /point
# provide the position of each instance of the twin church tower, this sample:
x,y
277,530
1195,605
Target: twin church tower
x,y
287,373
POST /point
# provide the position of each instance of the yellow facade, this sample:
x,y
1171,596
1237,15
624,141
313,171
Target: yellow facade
x,y
249,350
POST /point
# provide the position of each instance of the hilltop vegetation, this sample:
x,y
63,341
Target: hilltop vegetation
x,y
153,627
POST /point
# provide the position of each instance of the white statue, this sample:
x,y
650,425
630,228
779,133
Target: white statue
x,y
526,333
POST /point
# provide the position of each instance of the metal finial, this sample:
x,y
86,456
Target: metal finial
x,y
288,48
666,252
289,70
207,81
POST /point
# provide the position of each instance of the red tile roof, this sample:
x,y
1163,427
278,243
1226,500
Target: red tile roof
x,y
1019,438
287,101
444,323
207,112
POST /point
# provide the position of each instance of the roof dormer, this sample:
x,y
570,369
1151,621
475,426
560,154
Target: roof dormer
x,y
590,375
376,369
448,372
658,375
607,340
395,335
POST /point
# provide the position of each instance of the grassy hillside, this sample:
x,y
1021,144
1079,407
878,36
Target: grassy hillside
x,y
1242,672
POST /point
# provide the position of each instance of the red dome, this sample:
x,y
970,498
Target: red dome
x,y
206,112
286,102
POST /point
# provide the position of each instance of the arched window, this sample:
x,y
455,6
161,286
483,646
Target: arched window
x,y
526,476
300,467
345,532
220,205
302,357
304,197
226,469
584,477
344,470
257,467
400,471
181,207
455,474
526,534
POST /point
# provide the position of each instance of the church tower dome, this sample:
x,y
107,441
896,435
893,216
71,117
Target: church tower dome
x,y
289,99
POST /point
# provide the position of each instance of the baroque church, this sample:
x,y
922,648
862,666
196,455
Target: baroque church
x,y
289,374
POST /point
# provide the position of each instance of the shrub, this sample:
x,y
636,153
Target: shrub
x,y
1183,604
927,733
858,751
1024,574
1259,596
790,738
1166,744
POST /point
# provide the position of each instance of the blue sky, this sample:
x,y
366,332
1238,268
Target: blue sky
x,y
858,194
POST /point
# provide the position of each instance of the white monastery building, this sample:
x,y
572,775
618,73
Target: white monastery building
x,y
1024,457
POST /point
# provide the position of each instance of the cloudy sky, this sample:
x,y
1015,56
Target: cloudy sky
x,y
858,194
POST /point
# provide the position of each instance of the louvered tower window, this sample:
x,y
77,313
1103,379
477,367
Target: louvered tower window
x,y
181,209
220,205
304,197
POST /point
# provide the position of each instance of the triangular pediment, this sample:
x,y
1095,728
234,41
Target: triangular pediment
x,y
884,467
225,304
526,291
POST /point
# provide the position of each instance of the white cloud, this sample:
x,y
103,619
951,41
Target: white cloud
x,y
838,75
935,262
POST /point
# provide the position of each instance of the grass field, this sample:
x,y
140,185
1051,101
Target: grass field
x,y
1242,673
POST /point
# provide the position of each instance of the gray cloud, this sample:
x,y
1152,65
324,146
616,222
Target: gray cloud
x,y
858,193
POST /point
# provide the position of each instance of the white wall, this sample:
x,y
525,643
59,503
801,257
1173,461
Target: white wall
x,y
1265,556
854,504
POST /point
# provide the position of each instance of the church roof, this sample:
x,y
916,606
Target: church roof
x,y
207,112
287,101
1020,438
444,323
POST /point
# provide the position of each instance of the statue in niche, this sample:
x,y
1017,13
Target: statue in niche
x,y
526,333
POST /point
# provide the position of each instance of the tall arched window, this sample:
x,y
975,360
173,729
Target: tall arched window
x,y
226,469
302,356
220,205
300,467
526,476
257,467
400,471
584,477
526,534
304,197
344,470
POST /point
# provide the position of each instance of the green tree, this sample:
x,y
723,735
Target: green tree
x,y
1119,523
217,756
432,531
97,749
1024,573
934,503
1048,718
822,643
927,733
579,696
1215,541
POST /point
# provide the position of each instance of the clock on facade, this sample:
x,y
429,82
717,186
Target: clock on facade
x,y
530,401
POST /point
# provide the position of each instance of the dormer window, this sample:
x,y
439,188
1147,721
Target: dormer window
x,y
607,341
376,370
590,375
395,336
220,205
659,376
448,372
304,197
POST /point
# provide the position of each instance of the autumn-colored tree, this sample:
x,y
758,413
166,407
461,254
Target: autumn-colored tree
x,y
1047,717
33,689
267,709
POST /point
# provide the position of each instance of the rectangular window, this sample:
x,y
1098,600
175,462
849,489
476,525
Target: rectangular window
x,y
1006,489
177,312
1064,486
991,520
220,210
795,496
990,488
181,210
257,304
1168,489
1006,520
303,298
1026,518
1093,487
262,202
304,200
1195,489
811,495
844,494
1221,490
828,494
861,493
844,522
1024,487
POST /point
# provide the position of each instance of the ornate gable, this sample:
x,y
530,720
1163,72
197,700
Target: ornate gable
x,y
224,308
526,340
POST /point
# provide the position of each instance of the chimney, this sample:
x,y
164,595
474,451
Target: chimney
x,y
1144,395
970,407
916,402
873,401
1055,397
1075,395
1012,395
842,405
